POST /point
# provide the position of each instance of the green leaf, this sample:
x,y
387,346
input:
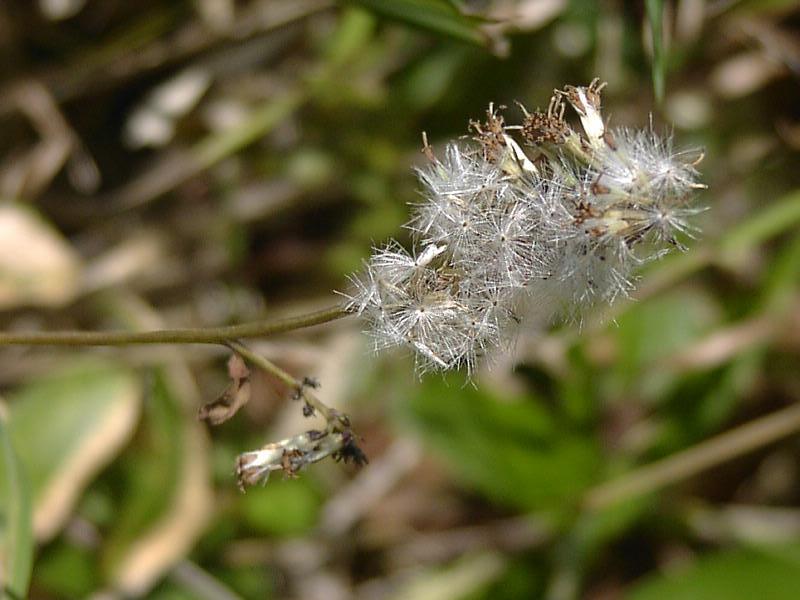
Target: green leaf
x,y
66,427
779,288
258,123
163,480
438,16
16,527
281,508
780,216
166,497
66,571
523,578
428,82
655,17
656,330
773,220
150,470
513,451
171,591
733,575
762,8
350,40
702,402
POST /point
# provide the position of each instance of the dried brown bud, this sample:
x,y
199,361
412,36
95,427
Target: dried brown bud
x,y
491,134
546,128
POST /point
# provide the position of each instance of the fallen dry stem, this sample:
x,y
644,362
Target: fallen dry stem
x,y
682,465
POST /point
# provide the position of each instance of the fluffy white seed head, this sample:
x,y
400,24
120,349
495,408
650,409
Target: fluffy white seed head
x,y
557,223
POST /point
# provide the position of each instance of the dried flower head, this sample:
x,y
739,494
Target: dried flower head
x,y
294,454
290,456
559,222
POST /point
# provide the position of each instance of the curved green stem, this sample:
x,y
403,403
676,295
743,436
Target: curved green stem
x,y
211,335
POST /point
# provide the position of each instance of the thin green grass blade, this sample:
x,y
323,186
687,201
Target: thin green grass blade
x,y
439,16
16,528
655,17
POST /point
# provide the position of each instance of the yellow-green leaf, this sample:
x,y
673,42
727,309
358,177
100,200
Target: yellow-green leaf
x,y
167,498
438,16
655,17
66,427
16,531
515,452
733,575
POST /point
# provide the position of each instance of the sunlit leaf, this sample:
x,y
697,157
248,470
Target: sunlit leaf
x,y
16,528
66,427
37,265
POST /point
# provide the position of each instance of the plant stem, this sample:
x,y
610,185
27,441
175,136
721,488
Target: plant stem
x,y
717,450
264,364
331,415
211,335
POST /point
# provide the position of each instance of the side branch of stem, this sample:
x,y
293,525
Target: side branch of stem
x,y
300,387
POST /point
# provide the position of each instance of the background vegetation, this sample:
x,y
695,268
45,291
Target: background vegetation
x,y
206,162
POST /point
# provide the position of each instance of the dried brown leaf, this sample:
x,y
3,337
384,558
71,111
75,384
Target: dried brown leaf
x,y
235,396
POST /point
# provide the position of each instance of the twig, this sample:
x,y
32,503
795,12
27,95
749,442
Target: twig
x,y
301,387
293,454
211,335
717,450
508,535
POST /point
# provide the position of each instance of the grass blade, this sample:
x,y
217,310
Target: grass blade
x,y
438,16
16,527
655,17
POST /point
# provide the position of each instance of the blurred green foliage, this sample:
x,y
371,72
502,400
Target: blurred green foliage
x,y
16,530
499,446
267,188
771,575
